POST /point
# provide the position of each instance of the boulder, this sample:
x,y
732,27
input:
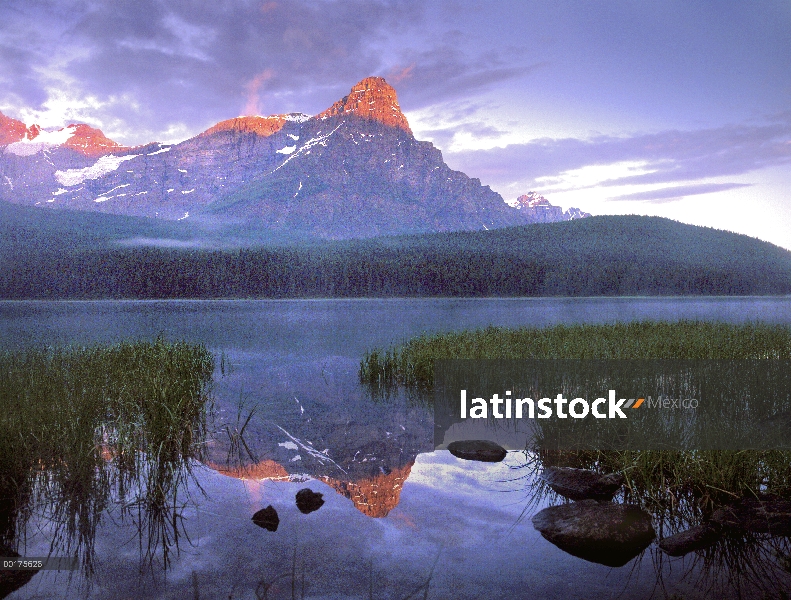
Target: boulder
x,y
481,450
696,538
765,514
601,532
582,484
267,518
309,501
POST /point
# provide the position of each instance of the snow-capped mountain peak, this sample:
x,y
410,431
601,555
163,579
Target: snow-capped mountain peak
x,y
24,140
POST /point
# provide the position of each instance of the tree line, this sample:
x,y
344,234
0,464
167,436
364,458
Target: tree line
x,y
610,256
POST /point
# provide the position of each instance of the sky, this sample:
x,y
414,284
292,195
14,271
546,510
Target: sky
x,y
680,109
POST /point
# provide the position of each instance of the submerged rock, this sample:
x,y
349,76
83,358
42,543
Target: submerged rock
x,y
601,532
696,538
267,518
582,484
309,501
765,514
481,450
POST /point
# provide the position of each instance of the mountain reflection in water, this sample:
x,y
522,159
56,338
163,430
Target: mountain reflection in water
x,y
297,361
374,497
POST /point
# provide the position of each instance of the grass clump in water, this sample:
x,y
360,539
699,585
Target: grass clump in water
x,y
412,363
679,487
86,427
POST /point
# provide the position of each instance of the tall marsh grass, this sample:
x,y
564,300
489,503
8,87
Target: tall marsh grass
x,y
411,363
679,487
84,428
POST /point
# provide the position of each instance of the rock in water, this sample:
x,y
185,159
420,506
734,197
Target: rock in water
x,y
601,532
308,500
695,538
267,518
582,484
482,450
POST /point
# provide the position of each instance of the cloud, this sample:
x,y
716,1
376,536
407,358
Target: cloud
x,y
151,64
24,48
194,62
398,75
664,157
669,194
252,88
444,137
446,71
163,243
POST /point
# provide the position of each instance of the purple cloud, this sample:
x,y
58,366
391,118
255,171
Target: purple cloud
x,y
152,63
673,156
446,71
669,194
478,129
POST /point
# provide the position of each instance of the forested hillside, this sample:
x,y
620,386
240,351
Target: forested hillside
x,y
613,255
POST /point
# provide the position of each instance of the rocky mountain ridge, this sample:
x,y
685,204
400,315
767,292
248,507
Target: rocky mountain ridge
x,y
263,126
371,99
539,210
11,130
353,170
22,140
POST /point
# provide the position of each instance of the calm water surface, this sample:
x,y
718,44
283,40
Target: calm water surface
x,y
397,514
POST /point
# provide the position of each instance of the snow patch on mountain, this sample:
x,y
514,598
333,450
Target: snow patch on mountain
x,y
118,187
103,166
160,151
43,141
321,140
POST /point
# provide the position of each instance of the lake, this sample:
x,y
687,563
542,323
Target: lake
x,y
398,517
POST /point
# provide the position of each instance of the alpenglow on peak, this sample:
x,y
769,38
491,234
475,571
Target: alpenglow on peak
x,y
374,99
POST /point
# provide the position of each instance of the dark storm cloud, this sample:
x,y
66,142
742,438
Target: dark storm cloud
x,y
677,192
672,155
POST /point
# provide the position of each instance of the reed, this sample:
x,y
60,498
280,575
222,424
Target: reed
x,y
678,487
411,364
86,427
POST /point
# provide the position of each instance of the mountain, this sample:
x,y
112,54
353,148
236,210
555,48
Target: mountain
x,y
353,170
538,209
11,130
371,99
21,140
374,495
